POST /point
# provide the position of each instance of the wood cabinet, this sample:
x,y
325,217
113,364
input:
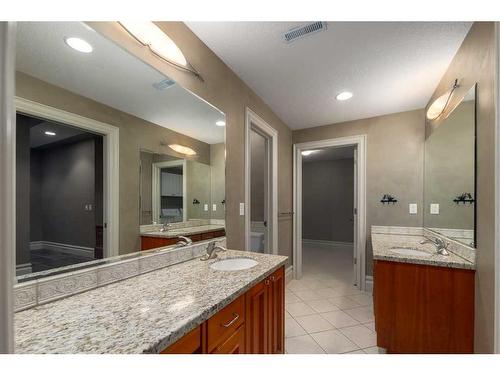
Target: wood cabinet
x,y
254,323
423,308
149,242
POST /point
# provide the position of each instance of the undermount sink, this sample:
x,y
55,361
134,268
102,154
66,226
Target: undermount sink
x,y
234,264
410,251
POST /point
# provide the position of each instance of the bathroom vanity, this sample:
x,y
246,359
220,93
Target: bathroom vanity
x,y
154,239
423,301
190,306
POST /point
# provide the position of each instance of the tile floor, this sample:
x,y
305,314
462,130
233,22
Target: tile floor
x,y
325,313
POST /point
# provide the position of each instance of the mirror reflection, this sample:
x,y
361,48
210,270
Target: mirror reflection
x,y
449,181
87,122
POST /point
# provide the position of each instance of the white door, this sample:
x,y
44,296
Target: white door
x,y
355,221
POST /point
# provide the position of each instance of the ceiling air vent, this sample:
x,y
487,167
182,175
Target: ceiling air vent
x,y
302,31
164,84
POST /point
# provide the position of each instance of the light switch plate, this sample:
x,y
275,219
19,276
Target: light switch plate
x,y
214,207
242,209
434,208
412,208
205,207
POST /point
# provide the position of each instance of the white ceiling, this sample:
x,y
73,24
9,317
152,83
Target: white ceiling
x,y
112,76
389,66
330,154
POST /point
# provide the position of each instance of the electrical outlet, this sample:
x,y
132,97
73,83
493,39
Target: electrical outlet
x,y
412,208
205,207
214,207
434,208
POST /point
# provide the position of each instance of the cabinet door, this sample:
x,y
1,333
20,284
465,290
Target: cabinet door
x,y
234,344
189,344
277,312
257,322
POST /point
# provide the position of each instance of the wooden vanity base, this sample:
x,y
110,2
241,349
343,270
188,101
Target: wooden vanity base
x,y
149,242
423,309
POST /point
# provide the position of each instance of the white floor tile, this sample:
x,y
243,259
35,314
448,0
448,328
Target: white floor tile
x,y
344,302
362,314
374,350
356,352
302,345
339,319
334,342
314,323
308,295
292,328
364,299
328,293
322,305
290,297
299,309
370,326
360,335
296,285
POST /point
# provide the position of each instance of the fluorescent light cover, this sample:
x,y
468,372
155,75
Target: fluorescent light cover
x,y
78,44
50,133
182,149
152,36
220,123
437,107
344,95
308,152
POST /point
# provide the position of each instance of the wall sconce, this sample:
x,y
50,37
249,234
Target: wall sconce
x,y
387,198
439,105
151,36
196,201
182,149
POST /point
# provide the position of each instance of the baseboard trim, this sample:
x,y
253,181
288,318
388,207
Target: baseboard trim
x,y
331,243
288,274
369,283
23,269
64,248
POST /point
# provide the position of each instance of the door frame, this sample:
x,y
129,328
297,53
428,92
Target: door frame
x,y
155,203
497,193
111,156
252,120
360,142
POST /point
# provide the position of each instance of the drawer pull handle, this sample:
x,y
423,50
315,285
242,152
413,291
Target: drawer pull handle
x,y
266,282
273,278
236,317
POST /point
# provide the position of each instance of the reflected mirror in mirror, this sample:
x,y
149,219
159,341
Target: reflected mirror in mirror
x,y
449,181
86,124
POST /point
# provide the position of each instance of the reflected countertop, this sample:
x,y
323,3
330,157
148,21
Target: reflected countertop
x,y
143,314
173,233
383,244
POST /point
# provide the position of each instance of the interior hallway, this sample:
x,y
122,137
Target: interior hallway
x,y
325,313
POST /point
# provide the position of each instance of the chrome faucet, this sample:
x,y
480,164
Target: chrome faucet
x,y
212,250
441,245
184,241
165,226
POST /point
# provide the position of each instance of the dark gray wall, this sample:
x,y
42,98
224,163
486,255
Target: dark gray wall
x,y
35,233
327,200
22,192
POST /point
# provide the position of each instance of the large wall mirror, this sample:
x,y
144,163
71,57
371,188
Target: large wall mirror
x,y
450,173
111,153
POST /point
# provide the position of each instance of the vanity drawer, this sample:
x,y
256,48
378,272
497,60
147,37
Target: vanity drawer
x,y
207,236
188,344
223,324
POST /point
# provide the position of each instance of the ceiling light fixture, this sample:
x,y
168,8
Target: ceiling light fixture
x,y
78,44
50,133
438,106
308,152
182,149
345,95
150,35
220,123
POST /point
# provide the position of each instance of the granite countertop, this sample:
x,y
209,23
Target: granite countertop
x,y
143,314
173,233
382,244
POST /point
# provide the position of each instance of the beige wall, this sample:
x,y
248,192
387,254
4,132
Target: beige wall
x,y
475,62
225,90
394,165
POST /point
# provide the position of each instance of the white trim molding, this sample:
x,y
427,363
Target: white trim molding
x,y
156,187
7,184
111,156
253,121
288,274
82,251
23,269
360,142
369,283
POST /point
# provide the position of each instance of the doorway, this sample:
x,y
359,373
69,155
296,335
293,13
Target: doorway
x,y
349,240
261,197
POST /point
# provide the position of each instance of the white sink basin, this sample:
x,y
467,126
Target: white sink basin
x,y
408,251
233,264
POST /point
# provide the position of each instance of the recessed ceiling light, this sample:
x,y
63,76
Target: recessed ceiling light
x,y
182,149
79,44
220,123
308,152
345,95
50,133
